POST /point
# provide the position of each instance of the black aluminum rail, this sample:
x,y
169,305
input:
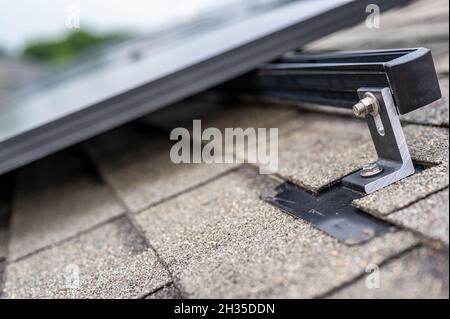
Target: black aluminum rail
x,y
334,78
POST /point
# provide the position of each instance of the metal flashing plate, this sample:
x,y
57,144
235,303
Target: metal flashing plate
x,y
331,211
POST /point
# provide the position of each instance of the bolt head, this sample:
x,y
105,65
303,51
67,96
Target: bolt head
x,y
371,170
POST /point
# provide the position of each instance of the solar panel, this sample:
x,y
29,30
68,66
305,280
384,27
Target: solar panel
x,y
149,73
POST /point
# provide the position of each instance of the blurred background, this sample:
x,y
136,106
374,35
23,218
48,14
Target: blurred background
x,y
38,38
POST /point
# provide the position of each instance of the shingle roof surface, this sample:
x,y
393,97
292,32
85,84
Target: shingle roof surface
x,y
135,225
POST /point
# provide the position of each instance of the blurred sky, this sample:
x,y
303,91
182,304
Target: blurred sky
x,y
25,20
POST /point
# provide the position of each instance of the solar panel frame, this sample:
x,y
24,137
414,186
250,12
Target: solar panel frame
x,y
48,131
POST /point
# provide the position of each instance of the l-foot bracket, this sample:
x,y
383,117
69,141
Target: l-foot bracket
x,y
387,83
394,161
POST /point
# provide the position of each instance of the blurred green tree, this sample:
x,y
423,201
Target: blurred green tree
x,y
69,47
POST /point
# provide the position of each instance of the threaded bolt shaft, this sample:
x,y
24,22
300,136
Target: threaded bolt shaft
x,y
367,105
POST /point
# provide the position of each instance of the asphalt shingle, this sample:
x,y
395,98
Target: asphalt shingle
x,y
425,23
221,240
283,118
252,115
324,149
221,115
168,292
421,273
406,191
428,145
2,271
112,261
428,217
3,235
3,243
138,166
441,62
390,37
435,113
57,198
182,113
5,211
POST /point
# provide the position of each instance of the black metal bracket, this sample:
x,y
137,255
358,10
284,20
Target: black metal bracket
x,y
379,85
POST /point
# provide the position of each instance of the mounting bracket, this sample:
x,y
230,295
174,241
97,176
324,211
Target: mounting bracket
x,y
394,161
379,85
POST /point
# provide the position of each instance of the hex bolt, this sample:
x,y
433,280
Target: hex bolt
x,y
367,105
371,170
